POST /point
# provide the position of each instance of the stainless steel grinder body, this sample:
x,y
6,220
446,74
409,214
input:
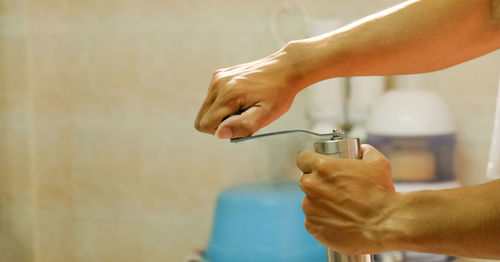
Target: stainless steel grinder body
x,y
340,147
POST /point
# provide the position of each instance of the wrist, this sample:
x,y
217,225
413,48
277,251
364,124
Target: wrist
x,y
308,62
414,221
395,226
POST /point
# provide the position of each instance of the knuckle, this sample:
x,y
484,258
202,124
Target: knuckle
x,y
217,73
197,125
247,127
214,85
233,100
310,227
203,125
217,81
307,184
322,165
309,208
306,206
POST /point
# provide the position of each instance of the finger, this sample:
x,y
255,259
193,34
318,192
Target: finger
x,y
307,207
312,228
305,161
313,186
306,183
244,124
319,190
209,100
221,108
217,114
204,121
212,95
315,207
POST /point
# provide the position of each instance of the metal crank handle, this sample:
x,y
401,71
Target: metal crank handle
x,y
334,134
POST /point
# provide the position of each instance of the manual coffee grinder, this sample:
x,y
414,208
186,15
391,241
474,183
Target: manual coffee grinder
x,y
336,145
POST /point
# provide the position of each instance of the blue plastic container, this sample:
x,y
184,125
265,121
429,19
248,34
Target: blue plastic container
x,y
262,222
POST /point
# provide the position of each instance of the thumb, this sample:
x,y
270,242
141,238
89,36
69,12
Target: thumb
x,y
243,125
379,166
369,153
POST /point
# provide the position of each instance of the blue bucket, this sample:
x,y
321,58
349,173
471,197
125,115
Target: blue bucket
x,y
262,222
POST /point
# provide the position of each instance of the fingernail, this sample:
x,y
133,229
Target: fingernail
x,y
224,132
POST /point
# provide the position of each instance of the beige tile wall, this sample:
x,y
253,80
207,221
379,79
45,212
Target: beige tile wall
x,y
98,157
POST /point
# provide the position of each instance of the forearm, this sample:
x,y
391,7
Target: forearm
x,y
459,222
414,37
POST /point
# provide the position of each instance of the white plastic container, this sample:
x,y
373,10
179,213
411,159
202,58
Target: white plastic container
x,y
416,131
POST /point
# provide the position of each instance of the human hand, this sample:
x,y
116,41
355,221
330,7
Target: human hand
x,y
254,94
347,200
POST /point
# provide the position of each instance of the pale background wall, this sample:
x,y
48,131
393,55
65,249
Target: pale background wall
x,y
99,160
